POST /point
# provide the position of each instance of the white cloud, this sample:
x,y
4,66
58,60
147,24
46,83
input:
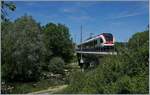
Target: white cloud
x,y
116,23
31,3
77,14
69,10
80,18
127,14
85,4
140,9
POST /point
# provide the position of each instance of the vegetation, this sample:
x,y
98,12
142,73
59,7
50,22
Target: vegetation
x,y
35,57
28,87
126,72
57,65
28,50
22,50
57,42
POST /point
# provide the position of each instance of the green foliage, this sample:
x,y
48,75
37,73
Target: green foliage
x,y
56,65
22,50
28,50
119,46
136,84
29,87
139,40
25,49
126,72
57,40
76,82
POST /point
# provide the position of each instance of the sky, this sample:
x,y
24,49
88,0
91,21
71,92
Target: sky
x,y
121,18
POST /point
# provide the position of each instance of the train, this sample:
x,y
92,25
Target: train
x,y
101,42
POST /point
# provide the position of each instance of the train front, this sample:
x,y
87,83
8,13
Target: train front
x,y
108,41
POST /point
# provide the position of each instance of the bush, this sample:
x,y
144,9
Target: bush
x,y
56,65
136,84
76,83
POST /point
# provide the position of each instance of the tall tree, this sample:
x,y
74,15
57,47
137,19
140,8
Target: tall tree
x,y
57,39
22,50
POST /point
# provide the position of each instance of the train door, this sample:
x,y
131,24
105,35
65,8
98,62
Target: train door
x,y
99,44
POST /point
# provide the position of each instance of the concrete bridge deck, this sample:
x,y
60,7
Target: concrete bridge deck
x,y
100,53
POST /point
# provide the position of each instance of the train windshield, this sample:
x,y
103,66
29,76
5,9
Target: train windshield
x,y
108,36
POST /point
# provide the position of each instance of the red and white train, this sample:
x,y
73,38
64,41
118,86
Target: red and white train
x,y
102,42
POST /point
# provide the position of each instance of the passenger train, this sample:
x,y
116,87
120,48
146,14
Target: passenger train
x,y
102,42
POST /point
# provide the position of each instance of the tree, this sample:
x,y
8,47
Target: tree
x,y
22,50
57,40
138,40
6,47
139,51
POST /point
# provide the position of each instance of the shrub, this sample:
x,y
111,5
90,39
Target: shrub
x,y
56,65
76,83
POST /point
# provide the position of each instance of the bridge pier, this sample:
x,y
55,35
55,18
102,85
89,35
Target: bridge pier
x,y
88,61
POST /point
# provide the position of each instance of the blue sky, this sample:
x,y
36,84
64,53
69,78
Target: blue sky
x,y
121,18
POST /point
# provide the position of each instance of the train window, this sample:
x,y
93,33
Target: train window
x,y
98,41
101,41
108,36
95,42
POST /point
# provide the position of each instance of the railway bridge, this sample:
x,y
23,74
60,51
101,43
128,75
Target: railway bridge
x,y
88,59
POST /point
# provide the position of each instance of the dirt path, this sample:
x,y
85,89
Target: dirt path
x,y
50,90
